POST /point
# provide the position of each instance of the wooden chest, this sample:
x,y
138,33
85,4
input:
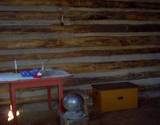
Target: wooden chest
x,y
115,96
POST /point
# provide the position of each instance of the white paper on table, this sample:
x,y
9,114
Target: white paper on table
x,y
57,73
10,76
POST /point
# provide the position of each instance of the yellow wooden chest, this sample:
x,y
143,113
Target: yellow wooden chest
x,y
115,96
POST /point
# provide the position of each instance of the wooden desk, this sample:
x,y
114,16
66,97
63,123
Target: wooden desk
x,y
46,82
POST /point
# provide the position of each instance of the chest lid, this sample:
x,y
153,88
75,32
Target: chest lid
x,y
120,85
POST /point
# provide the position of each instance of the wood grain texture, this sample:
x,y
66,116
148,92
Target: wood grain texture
x,y
79,53
75,60
82,28
31,2
29,8
117,41
114,14
103,67
87,3
45,22
83,14
73,49
64,35
26,100
92,67
29,15
131,76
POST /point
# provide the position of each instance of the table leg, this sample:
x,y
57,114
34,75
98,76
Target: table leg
x,y
49,98
60,97
13,103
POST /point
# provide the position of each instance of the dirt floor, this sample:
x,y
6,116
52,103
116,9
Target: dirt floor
x,y
148,113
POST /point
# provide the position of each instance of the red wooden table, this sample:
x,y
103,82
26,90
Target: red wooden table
x,y
45,82
3,119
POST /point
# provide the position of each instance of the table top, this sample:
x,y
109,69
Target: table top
x,y
11,76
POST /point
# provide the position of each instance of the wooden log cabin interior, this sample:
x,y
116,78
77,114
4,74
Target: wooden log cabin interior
x,y
97,41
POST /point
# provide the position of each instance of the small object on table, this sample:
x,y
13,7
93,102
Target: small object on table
x,y
35,73
38,75
15,66
25,73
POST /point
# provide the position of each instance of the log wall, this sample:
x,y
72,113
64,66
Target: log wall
x,y
96,40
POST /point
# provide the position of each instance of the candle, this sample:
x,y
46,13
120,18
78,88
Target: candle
x,y
15,65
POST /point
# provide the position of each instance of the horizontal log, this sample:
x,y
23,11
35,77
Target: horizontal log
x,y
111,14
4,88
83,28
93,3
130,76
103,67
91,67
110,22
118,72
59,50
29,8
45,23
148,1
151,88
107,41
84,14
79,53
23,93
108,28
29,15
144,84
63,35
109,9
26,100
8,65
32,2
52,8
28,23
